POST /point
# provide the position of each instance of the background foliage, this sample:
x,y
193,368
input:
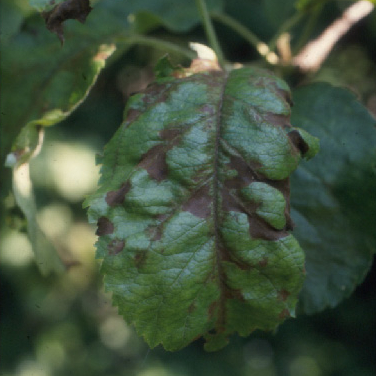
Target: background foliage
x,y
65,324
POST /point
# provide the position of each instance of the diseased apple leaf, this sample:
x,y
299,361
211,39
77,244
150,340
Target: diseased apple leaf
x,y
193,207
334,196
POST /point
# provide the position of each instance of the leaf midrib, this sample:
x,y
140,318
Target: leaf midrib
x,y
219,252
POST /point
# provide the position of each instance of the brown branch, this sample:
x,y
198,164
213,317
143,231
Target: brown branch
x,y
311,57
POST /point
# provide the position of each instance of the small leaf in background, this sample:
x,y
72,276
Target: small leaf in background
x,y
193,208
334,196
67,10
46,257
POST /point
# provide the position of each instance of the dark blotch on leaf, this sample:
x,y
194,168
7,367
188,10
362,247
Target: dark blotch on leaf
x,y
192,307
169,134
263,262
70,9
259,229
140,258
132,115
199,204
115,247
105,226
154,162
298,141
246,174
283,295
114,198
154,232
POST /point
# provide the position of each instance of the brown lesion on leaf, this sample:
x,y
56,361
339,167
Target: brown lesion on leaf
x,y
192,307
105,227
115,247
284,187
170,134
69,9
231,201
140,258
298,142
156,93
246,173
260,229
213,310
283,295
277,120
200,202
132,115
154,162
284,94
117,197
264,262
154,232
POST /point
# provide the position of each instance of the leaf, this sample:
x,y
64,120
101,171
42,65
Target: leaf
x,y
278,11
193,208
54,78
50,81
67,10
334,196
46,257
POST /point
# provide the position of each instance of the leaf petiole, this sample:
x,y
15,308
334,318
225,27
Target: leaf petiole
x,y
209,30
156,43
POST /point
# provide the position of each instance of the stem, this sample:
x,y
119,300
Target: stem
x,y
156,43
209,30
307,32
286,26
252,39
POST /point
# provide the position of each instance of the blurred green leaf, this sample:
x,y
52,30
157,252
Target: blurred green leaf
x,y
45,255
278,11
193,212
46,86
44,5
42,83
334,196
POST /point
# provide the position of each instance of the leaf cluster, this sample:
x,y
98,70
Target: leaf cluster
x,y
332,196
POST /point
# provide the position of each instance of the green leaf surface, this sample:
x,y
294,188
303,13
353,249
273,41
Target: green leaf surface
x,y
42,83
193,208
334,196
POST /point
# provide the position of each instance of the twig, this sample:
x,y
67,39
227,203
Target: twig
x,y
156,43
314,53
261,47
209,30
